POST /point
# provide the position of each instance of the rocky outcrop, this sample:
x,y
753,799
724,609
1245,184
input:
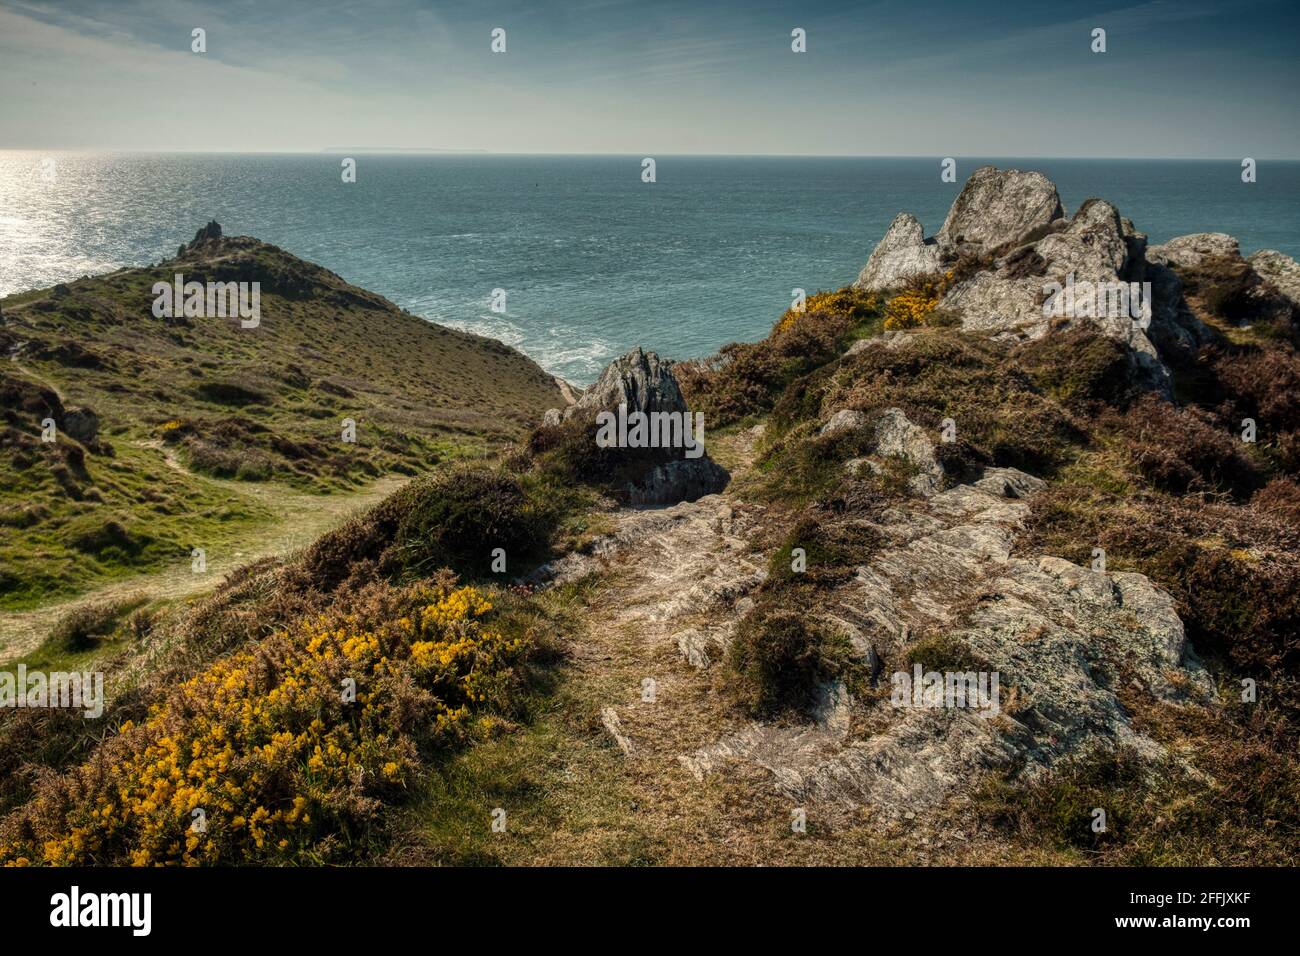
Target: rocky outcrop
x,y
1012,249
684,479
641,382
1060,637
893,436
1187,252
1279,270
208,233
903,252
997,207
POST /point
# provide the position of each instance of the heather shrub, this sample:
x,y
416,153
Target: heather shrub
x,y
832,546
1185,450
1078,367
1231,569
82,626
1229,288
567,454
779,659
1003,417
457,518
744,379
452,519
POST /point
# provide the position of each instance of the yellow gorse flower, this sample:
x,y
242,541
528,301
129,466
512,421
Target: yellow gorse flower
x,y
268,747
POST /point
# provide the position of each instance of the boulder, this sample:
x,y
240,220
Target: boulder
x,y
639,379
894,436
682,479
1186,252
1280,270
82,424
645,383
844,420
897,436
904,251
999,206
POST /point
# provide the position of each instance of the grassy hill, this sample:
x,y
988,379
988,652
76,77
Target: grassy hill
x,y
172,430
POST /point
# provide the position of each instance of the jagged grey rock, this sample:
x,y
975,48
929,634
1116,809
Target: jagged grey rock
x,y
904,251
639,379
897,436
998,209
645,383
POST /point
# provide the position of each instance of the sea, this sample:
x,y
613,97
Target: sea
x,y
592,259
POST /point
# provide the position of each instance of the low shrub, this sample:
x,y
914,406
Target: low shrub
x,y
1185,450
744,379
779,659
284,766
1078,368
452,519
81,627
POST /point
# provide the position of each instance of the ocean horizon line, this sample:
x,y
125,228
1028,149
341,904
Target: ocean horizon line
x,y
478,151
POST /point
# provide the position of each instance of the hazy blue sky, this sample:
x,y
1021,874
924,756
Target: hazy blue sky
x,y
896,77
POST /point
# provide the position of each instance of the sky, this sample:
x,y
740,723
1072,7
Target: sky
x,y
1179,78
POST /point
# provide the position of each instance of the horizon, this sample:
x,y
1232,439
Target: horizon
x,y
608,77
472,151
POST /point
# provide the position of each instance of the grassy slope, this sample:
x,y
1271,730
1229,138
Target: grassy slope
x,y
250,409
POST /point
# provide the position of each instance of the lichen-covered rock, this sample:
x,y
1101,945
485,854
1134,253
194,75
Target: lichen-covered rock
x,y
998,206
1060,638
639,379
845,419
897,436
1016,216
893,436
1186,252
1280,270
904,251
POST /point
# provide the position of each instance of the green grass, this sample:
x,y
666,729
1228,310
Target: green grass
x,y
240,406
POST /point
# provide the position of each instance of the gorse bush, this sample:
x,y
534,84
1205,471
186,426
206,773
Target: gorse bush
x,y
267,745
846,303
744,379
917,303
